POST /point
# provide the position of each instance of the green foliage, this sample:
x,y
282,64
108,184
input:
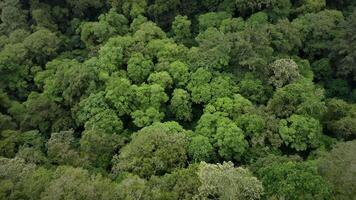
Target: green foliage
x,y
214,49
91,93
212,20
205,88
110,24
322,69
40,113
223,134
284,71
12,172
254,127
251,50
253,89
77,183
181,105
302,97
154,150
106,121
120,94
343,48
67,80
61,148
138,68
285,37
293,180
181,28
311,6
42,45
300,132
223,181
337,167
200,149
179,73
12,16
317,30
244,6
161,78
181,184
99,147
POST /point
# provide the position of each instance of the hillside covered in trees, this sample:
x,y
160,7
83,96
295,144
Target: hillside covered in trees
x,y
177,99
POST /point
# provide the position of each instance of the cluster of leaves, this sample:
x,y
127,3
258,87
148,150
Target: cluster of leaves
x,y
177,99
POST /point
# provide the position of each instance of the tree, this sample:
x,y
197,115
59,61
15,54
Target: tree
x,y
179,72
163,12
205,88
343,48
35,183
223,181
254,127
200,149
133,187
146,117
115,53
181,105
94,104
138,68
344,128
230,140
311,6
254,89
12,16
251,50
246,6
99,147
27,145
161,78
337,167
149,31
109,24
223,134
283,72
131,8
318,30
43,18
199,85
106,121
293,180
181,28
77,183
12,172
285,37
61,149
6,123
301,97
148,100
231,107
300,132
40,113
180,184
212,20
66,81
120,95
154,150
14,69
79,8
322,69
214,49
42,45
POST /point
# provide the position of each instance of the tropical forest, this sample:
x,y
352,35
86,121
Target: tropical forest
x,y
177,99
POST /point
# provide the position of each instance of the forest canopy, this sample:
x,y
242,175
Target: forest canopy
x,y
177,99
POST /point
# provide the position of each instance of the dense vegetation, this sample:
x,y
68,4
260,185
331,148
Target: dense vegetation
x,y
178,99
